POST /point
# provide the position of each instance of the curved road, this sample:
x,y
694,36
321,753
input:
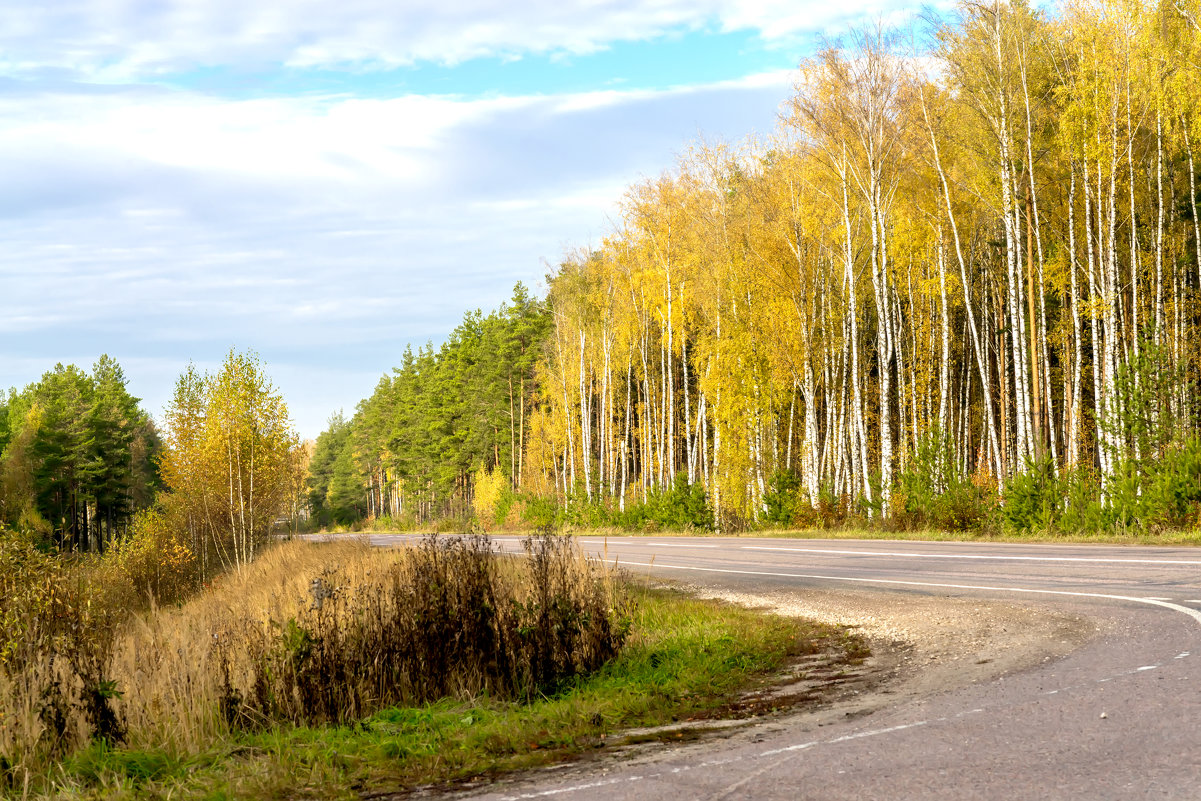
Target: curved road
x,y
1119,718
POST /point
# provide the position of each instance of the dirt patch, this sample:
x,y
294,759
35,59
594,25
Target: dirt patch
x,y
920,645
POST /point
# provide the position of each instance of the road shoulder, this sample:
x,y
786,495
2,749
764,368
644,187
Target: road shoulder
x,y
921,646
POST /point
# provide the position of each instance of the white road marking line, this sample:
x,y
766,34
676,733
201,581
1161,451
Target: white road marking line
x,y
561,790
977,556
1193,613
768,753
844,738
803,746
1158,599
1182,655
679,545
1193,601
1078,685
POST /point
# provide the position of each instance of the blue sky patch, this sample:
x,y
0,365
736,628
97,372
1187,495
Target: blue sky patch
x,y
680,59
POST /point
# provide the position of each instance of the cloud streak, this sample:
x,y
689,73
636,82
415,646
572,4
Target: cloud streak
x,y
327,219
328,231
117,40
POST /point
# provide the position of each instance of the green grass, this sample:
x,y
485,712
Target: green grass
x,y
687,658
1181,538
1099,538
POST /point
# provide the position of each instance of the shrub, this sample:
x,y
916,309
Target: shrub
x,y
306,633
488,491
1083,509
536,511
1173,492
931,492
804,514
152,560
57,631
682,506
833,511
1158,492
581,512
406,521
781,499
1031,500
450,618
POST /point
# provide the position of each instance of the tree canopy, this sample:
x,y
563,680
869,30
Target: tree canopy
x,y
412,447
77,455
229,460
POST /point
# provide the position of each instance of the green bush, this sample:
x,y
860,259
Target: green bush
x,y
581,512
1161,491
1173,492
1032,500
683,506
538,511
680,507
782,498
931,492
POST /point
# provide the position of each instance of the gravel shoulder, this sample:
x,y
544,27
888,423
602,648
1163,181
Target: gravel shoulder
x,y
921,645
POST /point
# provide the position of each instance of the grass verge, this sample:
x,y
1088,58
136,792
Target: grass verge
x,y
685,658
1098,538
1179,538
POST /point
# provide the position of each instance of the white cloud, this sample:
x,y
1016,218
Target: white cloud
x,y
327,232
116,40
162,225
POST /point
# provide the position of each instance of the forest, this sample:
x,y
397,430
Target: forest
x,y
411,449
83,468
77,456
961,279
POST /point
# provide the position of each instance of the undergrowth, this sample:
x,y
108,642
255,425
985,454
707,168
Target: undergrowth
x,y
305,635
683,658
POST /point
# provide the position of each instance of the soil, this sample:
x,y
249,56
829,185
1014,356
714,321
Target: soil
x,y
920,645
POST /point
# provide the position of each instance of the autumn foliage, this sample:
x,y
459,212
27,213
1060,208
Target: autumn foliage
x,y
944,270
229,462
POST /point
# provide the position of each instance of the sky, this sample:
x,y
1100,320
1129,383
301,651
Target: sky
x,y
326,181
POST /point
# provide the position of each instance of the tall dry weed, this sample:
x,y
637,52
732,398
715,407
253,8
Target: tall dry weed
x,y
446,618
58,631
308,633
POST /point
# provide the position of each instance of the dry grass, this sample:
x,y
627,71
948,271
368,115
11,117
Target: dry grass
x,y
685,659
309,633
58,631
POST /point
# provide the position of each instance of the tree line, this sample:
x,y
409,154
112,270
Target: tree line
x,y
78,456
411,449
84,468
992,245
967,269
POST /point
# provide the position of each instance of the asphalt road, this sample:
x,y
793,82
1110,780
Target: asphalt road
x,y
1119,718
